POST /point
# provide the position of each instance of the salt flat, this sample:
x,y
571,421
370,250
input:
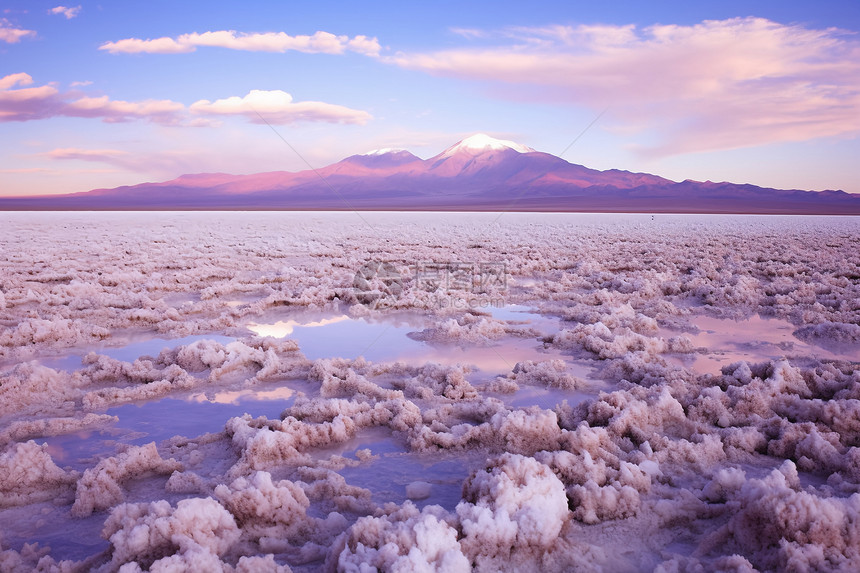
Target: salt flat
x,y
306,391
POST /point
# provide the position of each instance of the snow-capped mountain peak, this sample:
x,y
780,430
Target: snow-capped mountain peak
x,y
481,142
383,151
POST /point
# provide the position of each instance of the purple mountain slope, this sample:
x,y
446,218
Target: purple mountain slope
x,y
478,173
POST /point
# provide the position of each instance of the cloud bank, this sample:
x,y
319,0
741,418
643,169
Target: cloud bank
x,y
318,43
20,102
714,85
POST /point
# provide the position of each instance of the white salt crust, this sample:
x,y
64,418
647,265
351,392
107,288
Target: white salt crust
x,y
753,467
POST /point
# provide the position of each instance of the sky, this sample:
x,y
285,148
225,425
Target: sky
x,y
98,95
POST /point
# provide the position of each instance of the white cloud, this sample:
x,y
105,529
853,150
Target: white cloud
x,y
12,34
715,85
278,107
68,12
318,43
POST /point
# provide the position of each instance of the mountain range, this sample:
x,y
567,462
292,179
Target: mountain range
x,y
479,173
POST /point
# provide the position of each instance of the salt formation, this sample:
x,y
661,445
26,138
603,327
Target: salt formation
x,y
671,456
101,487
404,540
193,535
515,506
550,373
28,474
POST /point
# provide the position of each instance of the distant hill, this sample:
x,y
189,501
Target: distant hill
x,y
478,173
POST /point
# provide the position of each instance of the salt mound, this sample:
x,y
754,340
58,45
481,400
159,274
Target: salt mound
x,y
514,508
838,332
101,486
191,536
28,474
789,529
404,540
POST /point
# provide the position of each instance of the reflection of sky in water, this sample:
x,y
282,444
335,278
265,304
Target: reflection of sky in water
x,y
284,328
345,337
387,477
393,468
520,313
318,336
547,398
127,349
388,340
169,417
153,346
191,416
754,339
69,538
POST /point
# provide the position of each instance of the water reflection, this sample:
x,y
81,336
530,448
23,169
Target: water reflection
x,y
387,340
237,397
144,422
127,347
546,398
754,339
391,469
284,328
130,352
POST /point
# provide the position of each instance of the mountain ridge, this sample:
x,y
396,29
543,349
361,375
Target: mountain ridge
x,y
477,173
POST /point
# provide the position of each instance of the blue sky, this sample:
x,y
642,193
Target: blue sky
x,y
101,95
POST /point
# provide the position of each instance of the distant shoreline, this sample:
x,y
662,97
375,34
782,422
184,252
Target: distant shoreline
x,y
459,209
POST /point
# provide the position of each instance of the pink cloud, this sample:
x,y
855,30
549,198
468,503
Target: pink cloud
x,y
27,103
114,157
74,153
13,80
165,162
319,42
12,34
68,12
156,46
27,170
19,102
165,112
278,107
715,85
